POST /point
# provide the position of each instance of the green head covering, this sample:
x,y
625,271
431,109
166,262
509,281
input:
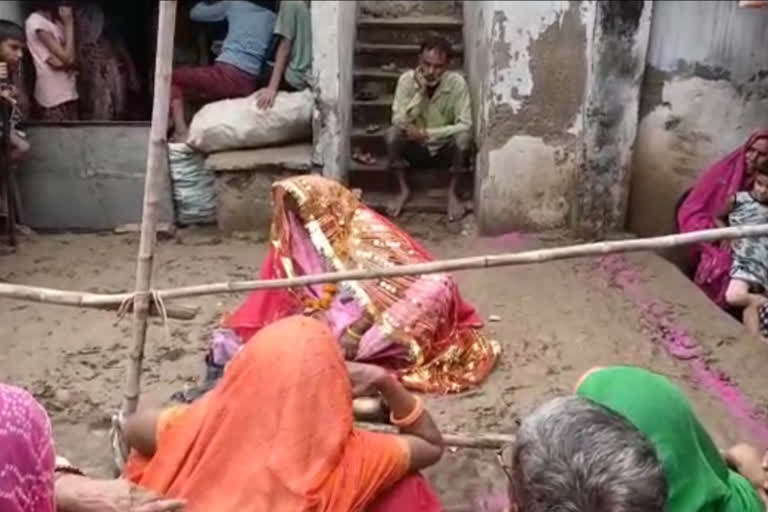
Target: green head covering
x,y
698,479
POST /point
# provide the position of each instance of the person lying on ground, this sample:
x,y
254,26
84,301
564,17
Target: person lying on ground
x,y
698,209
293,61
417,326
238,68
627,441
51,40
277,433
33,479
749,269
431,124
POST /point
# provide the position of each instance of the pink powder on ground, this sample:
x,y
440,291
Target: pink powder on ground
x,y
659,321
510,241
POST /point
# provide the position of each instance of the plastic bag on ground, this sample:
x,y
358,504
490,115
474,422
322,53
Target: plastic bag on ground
x,y
194,193
240,124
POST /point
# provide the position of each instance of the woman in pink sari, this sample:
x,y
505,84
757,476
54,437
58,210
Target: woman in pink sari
x,y
697,211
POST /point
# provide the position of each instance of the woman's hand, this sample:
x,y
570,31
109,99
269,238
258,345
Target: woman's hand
x,y
65,13
365,378
82,494
746,460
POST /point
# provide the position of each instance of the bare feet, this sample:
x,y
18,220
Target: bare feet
x,y
396,206
456,208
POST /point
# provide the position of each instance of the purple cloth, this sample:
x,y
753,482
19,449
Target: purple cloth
x,y
27,457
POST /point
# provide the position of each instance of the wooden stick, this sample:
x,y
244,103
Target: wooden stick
x,y
95,300
484,441
88,300
157,161
477,262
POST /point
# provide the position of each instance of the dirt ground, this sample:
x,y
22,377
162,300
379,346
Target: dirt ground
x,y
555,321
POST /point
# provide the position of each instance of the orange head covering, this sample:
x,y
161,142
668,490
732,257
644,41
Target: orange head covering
x,y
269,435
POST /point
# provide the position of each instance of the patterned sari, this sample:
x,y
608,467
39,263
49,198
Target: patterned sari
x,y
421,327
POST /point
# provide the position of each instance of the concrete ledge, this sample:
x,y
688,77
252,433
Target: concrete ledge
x,y
297,157
244,184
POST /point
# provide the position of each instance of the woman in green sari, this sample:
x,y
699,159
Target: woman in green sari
x,y
627,441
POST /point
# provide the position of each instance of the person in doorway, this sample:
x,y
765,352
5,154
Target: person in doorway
x,y
238,68
698,210
51,40
278,433
628,441
749,269
293,61
431,123
12,44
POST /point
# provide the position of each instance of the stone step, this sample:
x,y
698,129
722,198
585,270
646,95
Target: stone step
x,y
382,81
369,55
378,112
392,9
378,177
373,143
409,29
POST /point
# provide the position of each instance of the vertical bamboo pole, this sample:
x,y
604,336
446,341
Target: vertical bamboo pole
x,y
156,165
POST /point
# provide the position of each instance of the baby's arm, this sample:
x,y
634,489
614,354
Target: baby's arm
x,y
721,218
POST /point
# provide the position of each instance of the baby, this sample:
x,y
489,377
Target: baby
x,y
749,270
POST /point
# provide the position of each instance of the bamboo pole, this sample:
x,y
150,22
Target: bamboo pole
x,y
89,300
157,159
486,441
92,300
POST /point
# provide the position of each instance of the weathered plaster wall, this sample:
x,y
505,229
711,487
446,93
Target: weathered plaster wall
x,y
334,30
529,108
705,90
398,8
617,62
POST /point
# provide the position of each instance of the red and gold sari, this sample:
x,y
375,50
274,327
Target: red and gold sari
x,y
421,326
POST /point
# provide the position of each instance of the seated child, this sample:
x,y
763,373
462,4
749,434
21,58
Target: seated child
x,y
749,270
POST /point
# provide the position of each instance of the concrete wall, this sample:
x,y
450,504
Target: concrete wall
x,y
556,94
334,31
527,63
705,90
619,44
86,176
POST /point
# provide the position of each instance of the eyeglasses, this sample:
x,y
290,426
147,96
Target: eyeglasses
x,y
501,460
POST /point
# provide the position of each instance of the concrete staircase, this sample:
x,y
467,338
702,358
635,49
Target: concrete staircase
x,y
389,36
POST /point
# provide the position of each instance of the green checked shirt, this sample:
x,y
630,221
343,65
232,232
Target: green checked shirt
x,y
447,113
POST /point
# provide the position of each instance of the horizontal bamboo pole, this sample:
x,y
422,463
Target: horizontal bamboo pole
x,y
89,300
484,441
73,298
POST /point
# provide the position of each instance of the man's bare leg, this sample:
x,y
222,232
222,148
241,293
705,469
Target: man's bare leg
x,y
461,143
395,141
180,127
456,209
397,204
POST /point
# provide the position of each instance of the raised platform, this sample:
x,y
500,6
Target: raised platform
x,y
244,183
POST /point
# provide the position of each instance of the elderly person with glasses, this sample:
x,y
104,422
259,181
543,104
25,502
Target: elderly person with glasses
x,y
627,441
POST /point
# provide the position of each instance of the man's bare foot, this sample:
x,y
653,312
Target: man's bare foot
x,y
396,206
25,230
456,208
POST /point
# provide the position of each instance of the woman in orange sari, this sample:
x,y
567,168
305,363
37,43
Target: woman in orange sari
x,y
276,434
417,326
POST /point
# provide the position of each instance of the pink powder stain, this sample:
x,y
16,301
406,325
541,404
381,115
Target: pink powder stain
x,y
510,241
659,321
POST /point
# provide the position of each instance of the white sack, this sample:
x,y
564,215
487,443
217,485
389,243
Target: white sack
x,y
194,193
240,124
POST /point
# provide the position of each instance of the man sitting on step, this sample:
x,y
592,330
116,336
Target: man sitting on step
x,y
431,123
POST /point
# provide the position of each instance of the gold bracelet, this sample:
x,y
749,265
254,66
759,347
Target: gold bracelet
x,y
352,334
